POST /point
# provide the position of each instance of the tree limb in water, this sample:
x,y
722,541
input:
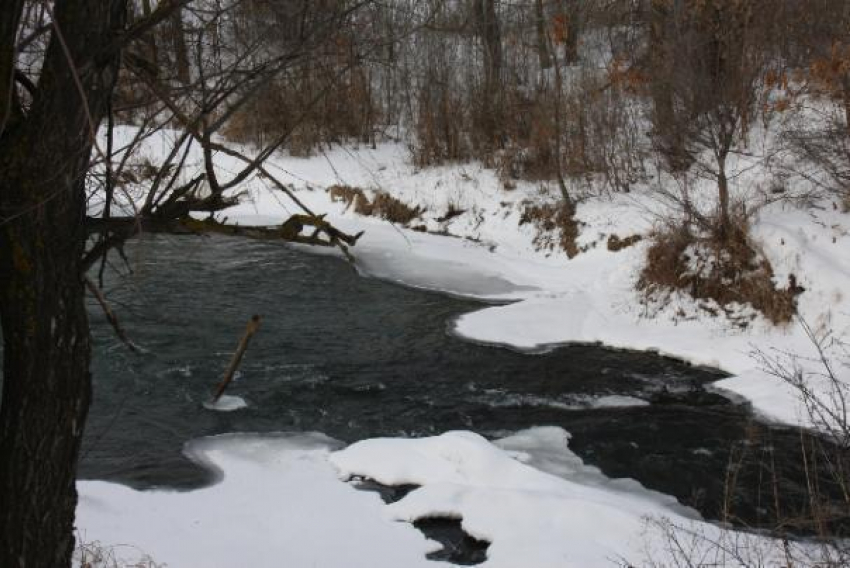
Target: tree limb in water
x,y
250,330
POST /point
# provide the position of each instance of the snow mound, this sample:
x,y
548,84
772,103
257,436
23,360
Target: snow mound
x,y
562,515
282,500
227,403
277,503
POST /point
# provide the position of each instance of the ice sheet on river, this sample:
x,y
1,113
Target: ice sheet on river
x,y
282,500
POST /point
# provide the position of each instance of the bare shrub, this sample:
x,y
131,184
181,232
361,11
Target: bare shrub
x,y
615,243
98,555
556,225
727,269
819,381
351,196
382,205
388,207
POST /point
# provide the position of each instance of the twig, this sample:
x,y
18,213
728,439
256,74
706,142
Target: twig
x,y
250,330
110,315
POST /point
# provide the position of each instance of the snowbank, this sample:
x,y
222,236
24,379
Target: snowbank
x,y
283,501
278,503
489,254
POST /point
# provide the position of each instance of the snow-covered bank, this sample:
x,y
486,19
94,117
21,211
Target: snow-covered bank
x,y
278,503
486,251
283,501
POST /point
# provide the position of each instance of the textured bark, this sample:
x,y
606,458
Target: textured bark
x,y
487,25
47,386
181,52
572,14
543,55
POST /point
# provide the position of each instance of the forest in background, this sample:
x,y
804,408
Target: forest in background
x,y
593,97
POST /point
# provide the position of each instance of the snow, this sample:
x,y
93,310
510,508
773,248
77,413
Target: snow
x,y
281,501
285,500
278,503
226,403
530,517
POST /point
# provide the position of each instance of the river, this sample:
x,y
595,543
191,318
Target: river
x,y
356,357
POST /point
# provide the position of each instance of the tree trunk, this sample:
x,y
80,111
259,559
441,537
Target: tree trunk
x,y
542,37
723,198
573,29
47,387
181,52
667,127
46,383
487,23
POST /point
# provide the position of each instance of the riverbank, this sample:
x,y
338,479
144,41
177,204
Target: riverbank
x,y
479,244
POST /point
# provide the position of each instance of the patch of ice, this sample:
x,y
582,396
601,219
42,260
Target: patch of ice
x,y
227,403
281,500
558,513
278,502
617,401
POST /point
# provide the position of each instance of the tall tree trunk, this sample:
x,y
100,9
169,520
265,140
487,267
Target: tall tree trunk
x,y
487,23
666,123
572,16
181,52
46,384
46,374
542,37
723,197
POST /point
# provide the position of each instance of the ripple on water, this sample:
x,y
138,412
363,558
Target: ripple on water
x,y
356,357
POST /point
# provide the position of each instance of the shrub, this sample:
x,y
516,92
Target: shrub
x,y
383,205
726,270
615,243
552,218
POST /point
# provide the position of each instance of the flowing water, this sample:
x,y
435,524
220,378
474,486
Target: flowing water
x,y
355,357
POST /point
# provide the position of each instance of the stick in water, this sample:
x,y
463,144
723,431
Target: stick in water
x,y
250,330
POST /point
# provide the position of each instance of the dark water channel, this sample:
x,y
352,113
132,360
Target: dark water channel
x,y
355,357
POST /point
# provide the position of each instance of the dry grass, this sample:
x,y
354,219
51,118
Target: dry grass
x,y
351,196
727,271
615,243
383,205
98,555
551,219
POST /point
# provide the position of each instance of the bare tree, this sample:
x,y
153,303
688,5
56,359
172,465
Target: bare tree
x,y
707,63
59,65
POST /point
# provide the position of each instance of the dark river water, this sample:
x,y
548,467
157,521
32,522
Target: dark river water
x,y
355,357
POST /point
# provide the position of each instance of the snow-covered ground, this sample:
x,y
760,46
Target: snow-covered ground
x,y
281,501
